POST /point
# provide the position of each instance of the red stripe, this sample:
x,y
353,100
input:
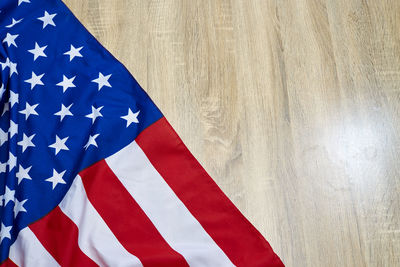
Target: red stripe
x,y
126,219
8,263
233,233
59,236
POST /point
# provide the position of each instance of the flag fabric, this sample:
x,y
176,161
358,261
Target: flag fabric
x,y
91,173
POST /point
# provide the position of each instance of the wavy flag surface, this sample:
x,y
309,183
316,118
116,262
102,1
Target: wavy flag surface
x,y
91,173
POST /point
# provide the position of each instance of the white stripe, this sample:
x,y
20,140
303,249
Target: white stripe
x,y
28,251
168,214
95,238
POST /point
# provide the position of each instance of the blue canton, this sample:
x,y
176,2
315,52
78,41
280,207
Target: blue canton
x,y
66,103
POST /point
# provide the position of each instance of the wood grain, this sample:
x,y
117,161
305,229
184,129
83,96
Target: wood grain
x,y
292,106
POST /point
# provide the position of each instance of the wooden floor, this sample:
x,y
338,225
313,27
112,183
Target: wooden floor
x,y
292,106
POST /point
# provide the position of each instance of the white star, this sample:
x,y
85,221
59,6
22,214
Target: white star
x,y
64,112
95,113
47,19
5,232
92,141
13,68
11,65
26,142
66,83
3,167
5,64
12,161
13,98
19,206
6,108
23,173
8,196
13,130
23,1
3,137
38,51
60,144
35,80
102,80
56,178
10,39
13,23
74,52
131,117
29,110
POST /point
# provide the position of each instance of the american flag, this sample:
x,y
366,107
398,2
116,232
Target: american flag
x,y
91,173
